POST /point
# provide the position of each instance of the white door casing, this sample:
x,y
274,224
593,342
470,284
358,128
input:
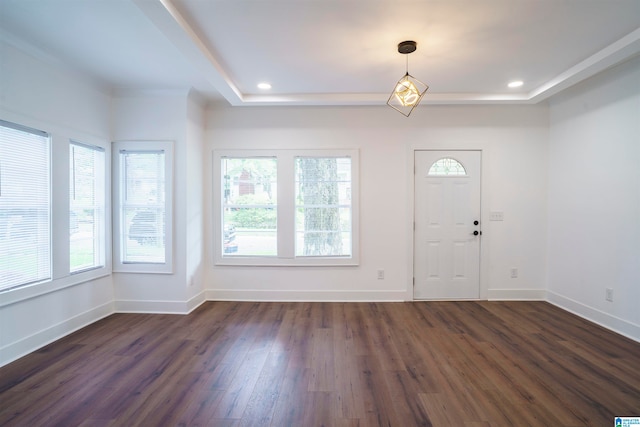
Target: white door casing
x,y
446,237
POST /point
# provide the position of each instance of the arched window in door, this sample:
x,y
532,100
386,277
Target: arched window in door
x,y
447,167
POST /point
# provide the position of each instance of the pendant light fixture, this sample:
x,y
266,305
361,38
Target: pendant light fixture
x,y
409,91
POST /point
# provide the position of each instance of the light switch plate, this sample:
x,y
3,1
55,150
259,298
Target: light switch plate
x,y
496,216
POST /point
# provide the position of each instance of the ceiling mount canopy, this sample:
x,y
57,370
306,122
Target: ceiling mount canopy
x,y
407,47
408,92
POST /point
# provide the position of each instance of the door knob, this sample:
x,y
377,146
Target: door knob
x,y
476,232
476,222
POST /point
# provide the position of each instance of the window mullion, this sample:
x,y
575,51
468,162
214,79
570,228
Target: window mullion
x,y
286,206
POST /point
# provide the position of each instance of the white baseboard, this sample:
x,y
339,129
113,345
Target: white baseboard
x,y
613,323
159,307
315,296
196,301
40,339
516,294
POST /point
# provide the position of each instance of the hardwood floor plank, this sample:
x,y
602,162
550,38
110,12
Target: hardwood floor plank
x,y
262,402
380,338
240,392
443,410
319,409
349,407
357,329
376,396
301,339
290,406
157,405
322,361
412,338
244,332
348,422
240,389
613,366
46,362
285,338
523,386
406,399
201,404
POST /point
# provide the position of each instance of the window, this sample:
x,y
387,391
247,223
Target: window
x,y
286,207
447,167
143,215
86,207
249,206
25,206
323,206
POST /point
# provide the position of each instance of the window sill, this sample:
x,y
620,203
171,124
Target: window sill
x,y
23,293
249,261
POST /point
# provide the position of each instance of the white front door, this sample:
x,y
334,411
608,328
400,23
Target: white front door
x,y
447,225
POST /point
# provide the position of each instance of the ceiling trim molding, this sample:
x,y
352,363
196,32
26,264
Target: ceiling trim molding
x,y
166,17
372,99
616,53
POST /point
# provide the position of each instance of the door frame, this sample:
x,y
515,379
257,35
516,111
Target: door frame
x,y
484,217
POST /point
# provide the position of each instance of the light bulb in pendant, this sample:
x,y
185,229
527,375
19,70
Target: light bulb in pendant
x,y
406,92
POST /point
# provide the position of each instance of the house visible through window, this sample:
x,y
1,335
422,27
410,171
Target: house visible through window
x,y
249,206
286,207
86,207
25,211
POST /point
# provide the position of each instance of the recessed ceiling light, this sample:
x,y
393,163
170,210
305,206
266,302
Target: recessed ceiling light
x,y
515,83
264,86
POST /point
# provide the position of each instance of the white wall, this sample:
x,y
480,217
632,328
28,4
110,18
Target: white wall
x,y
167,116
44,95
514,143
594,199
193,234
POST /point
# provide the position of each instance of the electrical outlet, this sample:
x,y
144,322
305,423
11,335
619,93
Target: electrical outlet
x,y
609,294
514,273
380,274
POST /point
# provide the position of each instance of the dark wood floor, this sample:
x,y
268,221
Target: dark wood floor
x,y
330,364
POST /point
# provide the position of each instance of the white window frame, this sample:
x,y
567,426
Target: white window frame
x,y
286,209
100,205
141,267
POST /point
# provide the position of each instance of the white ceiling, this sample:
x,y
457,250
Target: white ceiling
x,y
330,52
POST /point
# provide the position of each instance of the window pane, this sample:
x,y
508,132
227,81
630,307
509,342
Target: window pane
x,y
86,207
249,207
143,207
447,167
323,206
25,241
